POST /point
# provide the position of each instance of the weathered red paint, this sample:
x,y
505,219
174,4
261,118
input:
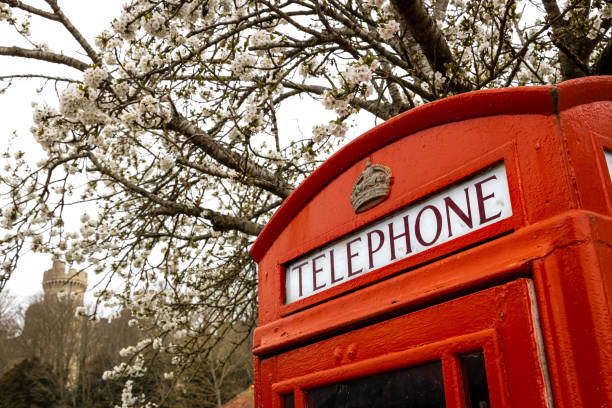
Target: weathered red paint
x,y
474,292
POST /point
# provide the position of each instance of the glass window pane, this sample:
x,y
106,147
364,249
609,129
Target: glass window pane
x,y
413,387
475,386
288,401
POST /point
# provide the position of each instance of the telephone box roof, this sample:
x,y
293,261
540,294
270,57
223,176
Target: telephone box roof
x,y
545,100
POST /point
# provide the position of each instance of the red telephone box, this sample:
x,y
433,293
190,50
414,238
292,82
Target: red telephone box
x,y
457,255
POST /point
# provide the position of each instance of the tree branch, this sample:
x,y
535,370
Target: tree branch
x,y
571,56
36,76
603,65
574,49
261,177
30,9
383,111
440,9
553,12
171,207
203,168
412,14
224,222
72,30
44,56
220,222
265,209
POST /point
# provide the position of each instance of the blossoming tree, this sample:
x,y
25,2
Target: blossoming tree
x,y
171,128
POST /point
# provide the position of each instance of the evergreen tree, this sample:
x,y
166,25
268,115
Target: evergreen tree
x,y
29,384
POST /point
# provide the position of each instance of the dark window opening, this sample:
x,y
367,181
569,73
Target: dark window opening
x,y
288,401
412,387
475,388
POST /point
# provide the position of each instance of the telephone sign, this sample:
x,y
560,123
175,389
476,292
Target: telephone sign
x,y
449,214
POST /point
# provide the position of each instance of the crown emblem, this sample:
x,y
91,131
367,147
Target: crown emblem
x,y
371,187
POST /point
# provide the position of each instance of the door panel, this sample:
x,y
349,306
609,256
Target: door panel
x,y
477,351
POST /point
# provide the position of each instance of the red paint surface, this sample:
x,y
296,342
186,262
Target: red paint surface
x,y
418,338
560,236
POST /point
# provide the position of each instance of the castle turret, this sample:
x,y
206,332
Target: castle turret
x,y
57,281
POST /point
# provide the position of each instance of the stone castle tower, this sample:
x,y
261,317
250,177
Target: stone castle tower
x,y
57,281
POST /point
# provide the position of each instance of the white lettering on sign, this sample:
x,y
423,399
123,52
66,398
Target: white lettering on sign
x,y
456,211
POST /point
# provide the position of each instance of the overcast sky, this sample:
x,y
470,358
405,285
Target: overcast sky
x,y
90,17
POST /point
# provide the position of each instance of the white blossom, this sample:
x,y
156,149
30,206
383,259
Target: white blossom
x,y
389,29
92,77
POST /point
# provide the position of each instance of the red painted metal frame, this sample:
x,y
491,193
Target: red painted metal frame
x,y
499,323
552,142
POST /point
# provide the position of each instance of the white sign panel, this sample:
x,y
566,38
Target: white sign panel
x,y
465,207
609,161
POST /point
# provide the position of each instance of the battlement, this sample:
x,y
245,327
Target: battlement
x,y
56,280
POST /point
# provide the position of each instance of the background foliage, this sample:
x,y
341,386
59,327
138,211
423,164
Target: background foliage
x,y
58,360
